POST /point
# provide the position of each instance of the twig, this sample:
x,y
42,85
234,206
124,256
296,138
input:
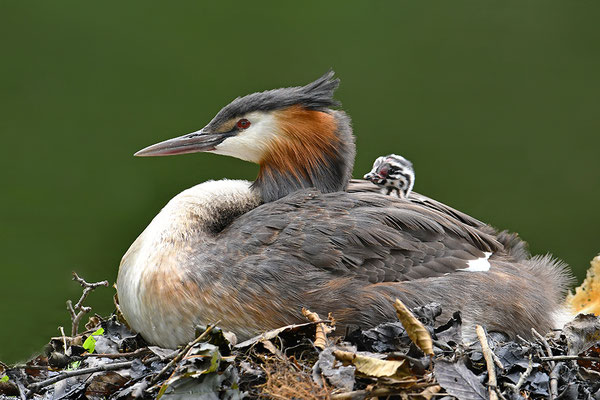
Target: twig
x,y
180,355
79,310
62,332
553,379
22,393
522,339
321,329
500,394
516,388
33,388
487,354
363,394
543,341
36,367
118,355
64,338
497,360
568,358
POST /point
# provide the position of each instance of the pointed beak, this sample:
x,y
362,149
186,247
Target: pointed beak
x,y
191,143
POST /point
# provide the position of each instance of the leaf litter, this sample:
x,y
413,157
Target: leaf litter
x,y
414,357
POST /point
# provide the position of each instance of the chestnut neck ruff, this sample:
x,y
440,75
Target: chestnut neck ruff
x,y
314,149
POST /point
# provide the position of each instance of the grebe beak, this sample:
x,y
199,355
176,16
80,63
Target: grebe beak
x,y
195,142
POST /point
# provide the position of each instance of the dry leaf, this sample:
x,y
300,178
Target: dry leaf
x,y
374,367
431,391
414,328
272,349
458,380
586,299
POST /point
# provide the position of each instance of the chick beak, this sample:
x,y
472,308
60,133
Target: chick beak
x,y
191,143
373,177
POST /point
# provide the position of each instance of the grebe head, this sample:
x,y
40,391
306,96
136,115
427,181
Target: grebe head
x,y
294,134
393,172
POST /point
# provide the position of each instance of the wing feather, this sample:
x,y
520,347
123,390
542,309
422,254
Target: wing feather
x,y
379,238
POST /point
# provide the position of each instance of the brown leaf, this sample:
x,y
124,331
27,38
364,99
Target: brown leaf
x,y
431,391
103,386
586,299
93,322
268,345
374,367
414,328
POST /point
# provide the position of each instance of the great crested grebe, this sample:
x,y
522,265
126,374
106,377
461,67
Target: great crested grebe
x,y
304,235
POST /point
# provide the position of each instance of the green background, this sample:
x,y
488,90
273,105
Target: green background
x,y
496,103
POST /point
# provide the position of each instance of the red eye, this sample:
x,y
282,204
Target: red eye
x,y
384,171
243,123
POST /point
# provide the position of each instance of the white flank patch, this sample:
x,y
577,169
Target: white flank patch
x,y
480,265
561,317
250,144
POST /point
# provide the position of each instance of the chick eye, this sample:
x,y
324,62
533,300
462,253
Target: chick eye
x,y
243,123
383,171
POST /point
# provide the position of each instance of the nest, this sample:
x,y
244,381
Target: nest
x,y
413,357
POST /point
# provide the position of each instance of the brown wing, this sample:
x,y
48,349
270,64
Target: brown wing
x,y
375,237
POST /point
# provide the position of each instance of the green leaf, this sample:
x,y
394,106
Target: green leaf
x,y
74,365
4,378
90,342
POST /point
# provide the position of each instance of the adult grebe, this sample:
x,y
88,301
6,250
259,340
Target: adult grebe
x,y
253,254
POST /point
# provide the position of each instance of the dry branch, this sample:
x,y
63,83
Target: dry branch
x,y
489,362
67,374
322,329
79,310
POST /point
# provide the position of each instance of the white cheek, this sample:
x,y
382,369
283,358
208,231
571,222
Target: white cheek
x,y
250,144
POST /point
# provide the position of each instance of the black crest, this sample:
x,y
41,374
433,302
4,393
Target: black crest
x,y
316,95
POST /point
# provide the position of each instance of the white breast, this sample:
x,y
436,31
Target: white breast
x,y
153,293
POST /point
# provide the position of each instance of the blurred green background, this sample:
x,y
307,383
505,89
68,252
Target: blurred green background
x,y
496,103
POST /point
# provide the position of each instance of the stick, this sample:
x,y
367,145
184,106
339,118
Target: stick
x,y
553,380
497,360
489,362
36,367
543,341
66,350
33,388
322,329
22,393
118,355
516,388
79,310
364,394
568,358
